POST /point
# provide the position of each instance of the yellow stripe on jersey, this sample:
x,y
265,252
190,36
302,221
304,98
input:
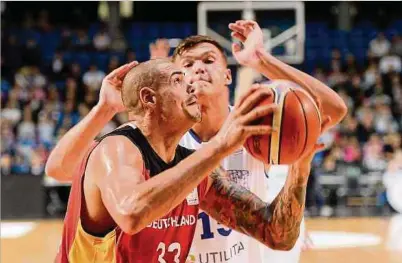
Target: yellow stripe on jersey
x,y
91,249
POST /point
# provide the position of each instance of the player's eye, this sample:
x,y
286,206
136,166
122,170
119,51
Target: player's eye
x,y
209,60
187,64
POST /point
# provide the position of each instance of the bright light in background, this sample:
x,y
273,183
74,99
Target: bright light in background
x,y
15,229
126,8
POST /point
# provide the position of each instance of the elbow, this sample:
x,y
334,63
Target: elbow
x,y
285,245
282,245
53,168
283,241
342,110
133,221
130,226
336,112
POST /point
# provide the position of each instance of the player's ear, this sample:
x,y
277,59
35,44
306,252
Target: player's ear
x,y
228,77
148,97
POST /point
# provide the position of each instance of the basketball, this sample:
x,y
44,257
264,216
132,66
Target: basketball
x,y
297,122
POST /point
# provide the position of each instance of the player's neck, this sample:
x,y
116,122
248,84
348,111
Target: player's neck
x,y
212,121
162,139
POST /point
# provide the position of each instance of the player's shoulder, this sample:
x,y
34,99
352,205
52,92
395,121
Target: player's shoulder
x,y
113,146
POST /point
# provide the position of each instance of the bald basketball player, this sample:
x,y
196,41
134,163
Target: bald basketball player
x,y
137,193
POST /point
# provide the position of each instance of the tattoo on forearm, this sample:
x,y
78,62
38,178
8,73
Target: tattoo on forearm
x,y
276,225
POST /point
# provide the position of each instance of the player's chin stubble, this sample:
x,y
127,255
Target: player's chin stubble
x,y
194,115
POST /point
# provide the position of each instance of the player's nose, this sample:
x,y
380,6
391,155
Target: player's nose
x,y
199,67
191,88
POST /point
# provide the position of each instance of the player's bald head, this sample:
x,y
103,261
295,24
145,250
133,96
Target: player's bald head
x,y
151,74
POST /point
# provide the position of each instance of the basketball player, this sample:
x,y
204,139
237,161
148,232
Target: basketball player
x,y
203,60
136,196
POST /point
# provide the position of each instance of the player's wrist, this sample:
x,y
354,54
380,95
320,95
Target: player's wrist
x,y
104,111
262,57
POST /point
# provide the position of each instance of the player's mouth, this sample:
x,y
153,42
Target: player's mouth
x,y
192,100
200,79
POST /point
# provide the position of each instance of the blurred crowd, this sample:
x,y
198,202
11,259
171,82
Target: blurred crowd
x,y
42,97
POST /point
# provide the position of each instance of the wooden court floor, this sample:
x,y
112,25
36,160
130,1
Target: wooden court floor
x,y
344,240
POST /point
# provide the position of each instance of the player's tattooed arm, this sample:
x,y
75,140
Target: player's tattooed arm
x,y
276,225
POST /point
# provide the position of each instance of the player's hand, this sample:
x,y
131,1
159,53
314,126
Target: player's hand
x,y
239,124
110,93
250,34
159,49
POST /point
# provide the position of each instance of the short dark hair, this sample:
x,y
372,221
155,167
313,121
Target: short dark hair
x,y
192,41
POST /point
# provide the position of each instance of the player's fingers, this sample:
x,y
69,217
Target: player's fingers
x,y
238,36
246,94
122,73
235,48
237,28
258,113
114,73
250,23
122,70
257,130
253,99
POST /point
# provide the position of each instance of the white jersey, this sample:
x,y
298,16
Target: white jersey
x,y
215,243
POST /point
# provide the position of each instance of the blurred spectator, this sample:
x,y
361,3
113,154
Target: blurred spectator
x,y
397,94
12,112
119,43
379,46
390,63
370,75
68,117
102,40
352,151
20,165
373,154
75,72
384,121
82,42
351,66
7,137
93,77
336,59
59,68
159,49
336,76
66,42
396,46
5,164
30,76
366,126
45,129
114,63
26,129
130,56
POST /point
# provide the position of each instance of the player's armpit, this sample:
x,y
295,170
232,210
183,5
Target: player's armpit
x,y
116,167
243,211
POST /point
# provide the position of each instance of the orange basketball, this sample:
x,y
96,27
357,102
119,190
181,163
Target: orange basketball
x,y
297,122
